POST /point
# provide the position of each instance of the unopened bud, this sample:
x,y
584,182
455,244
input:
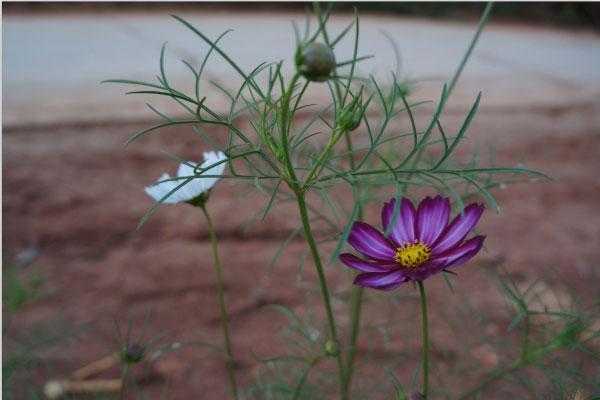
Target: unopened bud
x,y
403,89
351,115
133,353
349,120
331,348
315,61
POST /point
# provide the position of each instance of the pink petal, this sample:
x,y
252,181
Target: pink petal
x,y
432,218
381,280
460,254
354,262
459,228
370,242
403,230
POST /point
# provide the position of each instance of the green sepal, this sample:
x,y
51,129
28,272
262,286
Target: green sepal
x,y
199,201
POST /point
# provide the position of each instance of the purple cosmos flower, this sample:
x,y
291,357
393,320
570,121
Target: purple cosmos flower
x,y
420,243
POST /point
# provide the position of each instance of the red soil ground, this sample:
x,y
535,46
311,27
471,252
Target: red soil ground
x,y
76,195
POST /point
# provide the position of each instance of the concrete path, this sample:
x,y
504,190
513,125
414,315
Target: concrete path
x,y
52,65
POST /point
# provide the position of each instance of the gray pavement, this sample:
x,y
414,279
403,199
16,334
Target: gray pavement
x,y
52,65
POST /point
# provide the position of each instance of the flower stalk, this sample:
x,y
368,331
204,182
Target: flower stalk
x,y
286,119
355,314
333,334
424,340
356,296
124,381
230,361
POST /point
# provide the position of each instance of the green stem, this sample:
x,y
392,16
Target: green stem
x,y
287,117
333,335
482,22
355,313
357,293
230,362
424,339
304,377
318,165
124,380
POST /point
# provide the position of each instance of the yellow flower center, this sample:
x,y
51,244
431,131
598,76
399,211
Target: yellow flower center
x,y
412,255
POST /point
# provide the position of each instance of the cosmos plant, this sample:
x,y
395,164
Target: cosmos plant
x,y
349,144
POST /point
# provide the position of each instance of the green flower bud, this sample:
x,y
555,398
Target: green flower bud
x,y
331,348
133,353
350,116
403,89
349,120
315,61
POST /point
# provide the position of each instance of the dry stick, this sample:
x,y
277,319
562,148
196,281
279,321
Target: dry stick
x,y
96,367
58,389
78,384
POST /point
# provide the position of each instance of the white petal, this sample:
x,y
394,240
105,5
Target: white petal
x,y
186,168
192,188
211,158
158,190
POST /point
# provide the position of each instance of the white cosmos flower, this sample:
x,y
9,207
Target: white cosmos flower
x,y
193,188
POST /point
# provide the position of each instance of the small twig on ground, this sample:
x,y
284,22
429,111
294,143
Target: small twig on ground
x,y
96,367
58,389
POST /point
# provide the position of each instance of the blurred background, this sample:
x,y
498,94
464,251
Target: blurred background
x,y
80,283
